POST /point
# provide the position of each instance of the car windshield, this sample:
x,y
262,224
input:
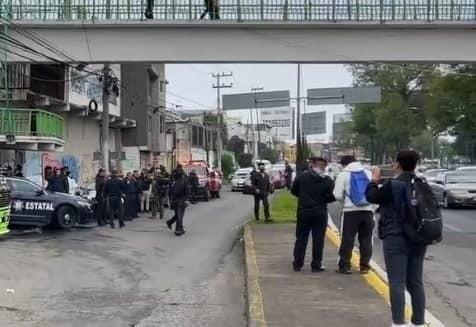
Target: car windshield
x,y
20,185
460,178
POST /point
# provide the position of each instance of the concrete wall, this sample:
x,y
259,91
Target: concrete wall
x,y
127,42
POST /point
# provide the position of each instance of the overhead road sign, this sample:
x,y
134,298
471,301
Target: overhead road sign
x,y
256,100
344,95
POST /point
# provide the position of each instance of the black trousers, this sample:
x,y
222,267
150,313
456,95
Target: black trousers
x,y
361,223
177,219
315,223
150,6
100,211
264,198
404,262
115,209
211,9
131,204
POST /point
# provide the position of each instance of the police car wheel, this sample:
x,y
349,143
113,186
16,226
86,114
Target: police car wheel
x,y
66,217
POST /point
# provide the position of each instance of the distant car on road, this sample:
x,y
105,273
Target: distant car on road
x,y
455,189
200,167
467,169
432,175
240,178
33,206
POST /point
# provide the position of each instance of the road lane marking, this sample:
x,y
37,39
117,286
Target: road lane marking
x,y
377,277
452,228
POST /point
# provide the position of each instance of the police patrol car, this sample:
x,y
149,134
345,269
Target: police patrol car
x,y
33,206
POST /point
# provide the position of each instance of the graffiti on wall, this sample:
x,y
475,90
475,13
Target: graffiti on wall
x,y
83,168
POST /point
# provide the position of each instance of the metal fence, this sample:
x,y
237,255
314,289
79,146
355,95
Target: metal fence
x,y
246,10
30,122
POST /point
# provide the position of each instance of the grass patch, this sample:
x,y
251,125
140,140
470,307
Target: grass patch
x,y
282,209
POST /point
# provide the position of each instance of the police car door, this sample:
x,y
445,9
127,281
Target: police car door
x,y
30,203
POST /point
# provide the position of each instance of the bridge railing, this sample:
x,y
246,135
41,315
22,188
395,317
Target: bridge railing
x,y
247,10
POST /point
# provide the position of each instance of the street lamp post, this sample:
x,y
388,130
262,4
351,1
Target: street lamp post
x,y
256,147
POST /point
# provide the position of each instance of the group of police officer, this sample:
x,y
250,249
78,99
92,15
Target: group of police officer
x,y
119,198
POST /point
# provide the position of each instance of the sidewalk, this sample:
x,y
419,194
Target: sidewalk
x,y
280,297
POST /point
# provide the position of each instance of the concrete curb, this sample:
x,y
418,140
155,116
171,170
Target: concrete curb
x,y
377,278
254,297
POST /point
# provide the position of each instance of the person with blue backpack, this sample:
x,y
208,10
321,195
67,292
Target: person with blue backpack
x,y
357,214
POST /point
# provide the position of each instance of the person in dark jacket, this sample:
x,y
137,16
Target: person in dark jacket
x,y
113,191
145,182
130,190
314,191
160,189
261,182
136,179
288,175
100,207
179,195
194,185
57,182
64,175
403,259
18,171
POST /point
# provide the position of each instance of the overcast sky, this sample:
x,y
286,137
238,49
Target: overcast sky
x,y
191,85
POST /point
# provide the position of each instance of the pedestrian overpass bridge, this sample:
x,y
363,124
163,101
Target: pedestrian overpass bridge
x,y
307,31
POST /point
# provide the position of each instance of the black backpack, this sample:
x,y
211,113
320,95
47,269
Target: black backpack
x,y
423,223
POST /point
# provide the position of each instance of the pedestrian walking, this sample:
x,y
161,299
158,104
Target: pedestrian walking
x,y
212,8
64,175
314,191
179,195
145,185
113,191
261,183
405,238
357,214
288,175
100,206
149,11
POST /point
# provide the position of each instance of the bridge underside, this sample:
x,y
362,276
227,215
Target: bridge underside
x,y
261,42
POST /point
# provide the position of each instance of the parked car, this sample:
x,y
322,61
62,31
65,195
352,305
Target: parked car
x,y
277,179
455,189
239,179
33,206
203,191
214,185
467,169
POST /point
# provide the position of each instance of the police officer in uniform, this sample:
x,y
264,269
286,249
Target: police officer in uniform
x,y
160,189
100,207
113,190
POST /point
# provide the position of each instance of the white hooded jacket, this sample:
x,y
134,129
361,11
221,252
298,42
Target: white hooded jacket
x,y
342,187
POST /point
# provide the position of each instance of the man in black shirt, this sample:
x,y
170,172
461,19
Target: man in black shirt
x,y
100,207
262,186
314,191
113,191
179,195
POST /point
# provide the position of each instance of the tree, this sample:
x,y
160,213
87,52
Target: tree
x,y
245,159
236,145
387,127
227,164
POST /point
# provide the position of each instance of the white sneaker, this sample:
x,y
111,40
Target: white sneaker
x,y
395,325
413,325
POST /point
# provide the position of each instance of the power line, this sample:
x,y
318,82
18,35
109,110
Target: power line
x,y
218,86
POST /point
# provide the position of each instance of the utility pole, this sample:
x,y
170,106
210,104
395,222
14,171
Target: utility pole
x,y
218,86
255,90
106,91
299,159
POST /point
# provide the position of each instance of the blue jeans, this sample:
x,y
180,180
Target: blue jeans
x,y
404,263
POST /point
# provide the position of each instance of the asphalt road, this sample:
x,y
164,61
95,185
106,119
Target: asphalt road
x,y
140,276
450,268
